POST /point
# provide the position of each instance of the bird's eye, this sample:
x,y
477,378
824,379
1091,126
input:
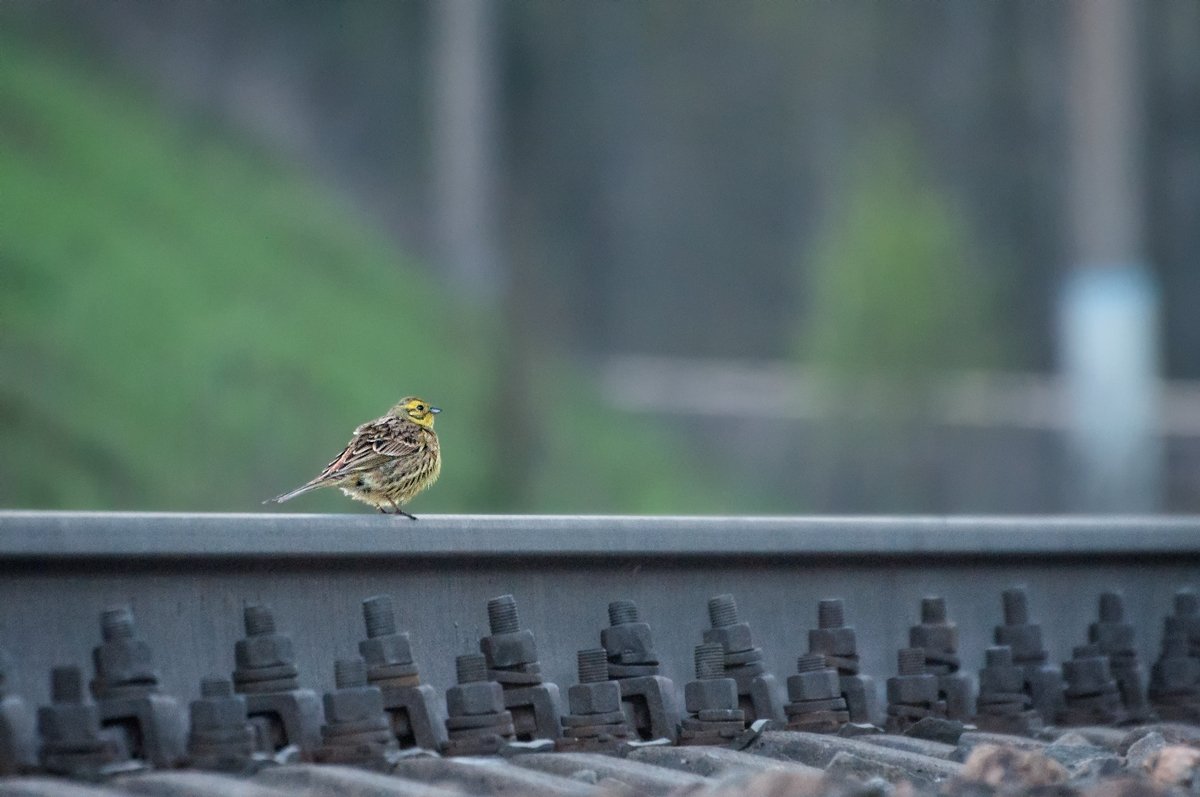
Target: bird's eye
x,y
420,408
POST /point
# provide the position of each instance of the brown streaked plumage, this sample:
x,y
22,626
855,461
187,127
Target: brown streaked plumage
x,y
387,462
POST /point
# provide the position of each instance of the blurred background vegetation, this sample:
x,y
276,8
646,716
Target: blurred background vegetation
x,y
671,257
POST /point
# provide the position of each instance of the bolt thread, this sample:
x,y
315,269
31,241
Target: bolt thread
x,y
116,623
831,613
933,610
593,665
621,612
502,615
810,662
379,616
911,661
66,685
470,668
1112,607
999,656
349,673
258,620
1186,603
216,686
1086,652
1016,606
722,611
710,661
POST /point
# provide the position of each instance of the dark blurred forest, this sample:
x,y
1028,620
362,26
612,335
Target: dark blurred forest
x,y
648,257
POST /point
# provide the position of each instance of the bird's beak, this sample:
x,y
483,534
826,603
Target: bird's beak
x,y
435,410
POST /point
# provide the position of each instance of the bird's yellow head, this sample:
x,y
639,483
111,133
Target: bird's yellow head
x,y
417,410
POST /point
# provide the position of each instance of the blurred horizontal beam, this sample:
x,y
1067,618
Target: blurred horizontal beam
x,y
787,391
138,537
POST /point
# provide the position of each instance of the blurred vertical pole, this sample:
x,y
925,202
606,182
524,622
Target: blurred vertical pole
x,y
464,145
1109,308
467,173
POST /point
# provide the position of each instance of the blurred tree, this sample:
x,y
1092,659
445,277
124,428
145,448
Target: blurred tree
x,y
895,287
897,297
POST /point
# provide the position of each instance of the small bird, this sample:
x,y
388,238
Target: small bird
x,y
387,462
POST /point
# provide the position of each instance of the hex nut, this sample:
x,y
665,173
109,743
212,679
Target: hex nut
x,y
629,643
509,650
710,693
733,638
1001,679
912,690
1025,641
1112,637
124,661
832,641
601,697
383,650
217,713
69,723
265,650
353,704
1090,674
934,637
813,685
475,698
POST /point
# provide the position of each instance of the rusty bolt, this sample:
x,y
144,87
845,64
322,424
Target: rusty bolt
x,y
474,694
627,639
813,680
218,707
913,686
1088,672
832,637
594,694
502,615
1000,675
733,635
508,645
1111,633
353,700
711,689
935,634
383,646
1018,633
379,616
122,658
622,613
68,721
262,646
1175,671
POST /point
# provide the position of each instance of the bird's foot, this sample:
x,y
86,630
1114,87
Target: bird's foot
x,y
396,510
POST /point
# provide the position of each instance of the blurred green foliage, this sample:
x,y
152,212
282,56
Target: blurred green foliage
x,y
897,298
187,323
895,290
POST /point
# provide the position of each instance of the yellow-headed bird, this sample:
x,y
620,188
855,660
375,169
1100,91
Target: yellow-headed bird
x,y
388,461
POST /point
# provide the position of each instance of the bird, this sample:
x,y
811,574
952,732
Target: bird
x,y
387,461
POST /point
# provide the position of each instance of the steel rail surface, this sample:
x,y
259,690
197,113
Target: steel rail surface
x,y
187,578
116,535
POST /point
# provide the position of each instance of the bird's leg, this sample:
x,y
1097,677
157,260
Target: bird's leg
x,y
400,511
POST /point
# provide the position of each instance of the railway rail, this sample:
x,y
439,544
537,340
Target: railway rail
x,y
583,635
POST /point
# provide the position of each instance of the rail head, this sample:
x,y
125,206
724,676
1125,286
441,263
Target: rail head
x,y
149,536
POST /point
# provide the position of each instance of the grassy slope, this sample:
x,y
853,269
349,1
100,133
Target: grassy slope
x,y
187,324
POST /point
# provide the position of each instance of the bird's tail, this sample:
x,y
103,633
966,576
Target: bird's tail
x,y
279,499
